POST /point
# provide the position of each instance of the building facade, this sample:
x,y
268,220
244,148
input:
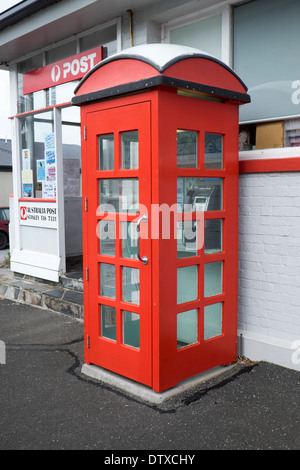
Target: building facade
x,y
48,46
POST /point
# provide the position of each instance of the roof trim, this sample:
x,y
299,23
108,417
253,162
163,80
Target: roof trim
x,y
187,53
146,84
22,10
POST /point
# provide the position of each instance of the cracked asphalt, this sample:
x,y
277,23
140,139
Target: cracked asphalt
x,y
47,404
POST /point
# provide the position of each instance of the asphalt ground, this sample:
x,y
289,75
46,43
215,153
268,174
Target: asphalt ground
x,y
48,404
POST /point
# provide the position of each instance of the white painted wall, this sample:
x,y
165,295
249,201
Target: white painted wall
x,y
269,267
6,187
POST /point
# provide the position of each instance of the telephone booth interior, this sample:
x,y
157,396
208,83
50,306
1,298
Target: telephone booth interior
x,y
160,216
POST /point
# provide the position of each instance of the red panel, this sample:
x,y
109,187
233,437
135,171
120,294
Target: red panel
x,y
270,165
116,73
171,365
206,72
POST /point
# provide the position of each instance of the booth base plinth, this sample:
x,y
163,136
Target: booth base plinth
x,y
145,393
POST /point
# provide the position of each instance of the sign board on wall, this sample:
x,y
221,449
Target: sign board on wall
x,y
63,71
38,214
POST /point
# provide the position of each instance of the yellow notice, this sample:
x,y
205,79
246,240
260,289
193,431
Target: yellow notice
x,y
27,176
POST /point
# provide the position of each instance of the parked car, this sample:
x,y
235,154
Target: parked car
x,y
4,224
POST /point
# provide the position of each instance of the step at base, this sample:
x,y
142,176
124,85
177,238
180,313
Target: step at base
x,y
64,297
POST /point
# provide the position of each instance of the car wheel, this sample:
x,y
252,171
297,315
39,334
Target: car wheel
x,y
3,240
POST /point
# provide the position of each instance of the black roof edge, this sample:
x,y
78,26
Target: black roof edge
x,y
142,85
119,56
22,10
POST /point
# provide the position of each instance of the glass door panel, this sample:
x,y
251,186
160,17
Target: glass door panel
x,y
120,138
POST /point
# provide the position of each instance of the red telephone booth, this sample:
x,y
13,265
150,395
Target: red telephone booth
x,y
160,192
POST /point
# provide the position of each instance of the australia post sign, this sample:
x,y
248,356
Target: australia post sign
x,y
66,70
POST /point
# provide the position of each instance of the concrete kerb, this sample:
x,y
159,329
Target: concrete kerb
x,y
144,393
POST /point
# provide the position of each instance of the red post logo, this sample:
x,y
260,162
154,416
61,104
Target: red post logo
x,y
23,213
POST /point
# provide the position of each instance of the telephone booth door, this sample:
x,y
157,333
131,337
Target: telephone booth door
x,y
118,191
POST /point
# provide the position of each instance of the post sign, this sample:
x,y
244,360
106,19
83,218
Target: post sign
x,y
38,214
63,71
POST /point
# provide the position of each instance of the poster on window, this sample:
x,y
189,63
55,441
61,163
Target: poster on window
x,y
49,190
26,159
40,171
50,158
27,183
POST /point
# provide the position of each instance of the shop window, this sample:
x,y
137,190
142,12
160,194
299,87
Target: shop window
x,y
71,148
270,135
107,37
60,94
205,35
266,62
61,52
38,156
33,100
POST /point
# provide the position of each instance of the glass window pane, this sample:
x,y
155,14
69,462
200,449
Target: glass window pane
x,y
61,93
187,284
131,329
214,151
213,236
131,285
130,150
129,240
213,320
106,234
187,328
108,322
107,37
186,239
187,155
271,78
213,279
106,152
119,195
205,35
199,194
108,280
71,140
38,156
61,52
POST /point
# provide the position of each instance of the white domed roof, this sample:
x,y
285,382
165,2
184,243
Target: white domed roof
x,y
160,56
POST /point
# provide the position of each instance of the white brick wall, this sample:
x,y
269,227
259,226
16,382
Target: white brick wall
x,y
269,267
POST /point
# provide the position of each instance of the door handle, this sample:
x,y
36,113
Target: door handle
x,y
143,218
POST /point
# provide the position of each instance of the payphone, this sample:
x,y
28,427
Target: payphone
x,y
159,151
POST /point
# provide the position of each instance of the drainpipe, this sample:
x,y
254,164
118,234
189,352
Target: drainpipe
x,y
131,26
